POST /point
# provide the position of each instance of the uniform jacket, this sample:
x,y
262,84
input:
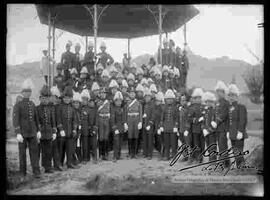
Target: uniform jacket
x,y
59,82
77,61
169,118
166,84
172,57
67,60
182,119
105,59
26,118
209,116
185,65
89,60
222,115
83,84
67,119
156,116
148,109
87,120
237,120
118,118
74,83
134,108
46,117
194,113
102,108
165,57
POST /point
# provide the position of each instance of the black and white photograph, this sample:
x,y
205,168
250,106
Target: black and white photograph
x,y
143,99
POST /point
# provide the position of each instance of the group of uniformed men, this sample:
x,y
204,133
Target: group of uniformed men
x,y
84,112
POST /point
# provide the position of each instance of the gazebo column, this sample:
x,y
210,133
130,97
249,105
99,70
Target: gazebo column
x,y
185,36
129,50
49,46
95,31
86,44
53,50
160,32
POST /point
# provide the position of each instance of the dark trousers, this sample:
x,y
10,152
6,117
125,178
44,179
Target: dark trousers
x,y
55,153
46,146
148,142
85,148
139,141
199,141
93,147
32,144
117,145
103,147
223,146
182,138
39,152
170,140
66,74
211,139
66,148
133,146
238,146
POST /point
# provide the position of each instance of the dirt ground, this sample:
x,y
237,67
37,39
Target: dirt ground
x,y
127,176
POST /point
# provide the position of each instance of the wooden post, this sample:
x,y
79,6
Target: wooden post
x,y
160,32
129,50
49,46
53,50
86,44
185,36
95,31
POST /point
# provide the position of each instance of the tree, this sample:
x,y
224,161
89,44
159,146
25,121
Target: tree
x,y
254,80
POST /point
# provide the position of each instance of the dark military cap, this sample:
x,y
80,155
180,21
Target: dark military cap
x,y
68,92
45,91
131,89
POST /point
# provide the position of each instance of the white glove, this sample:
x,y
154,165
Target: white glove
x,y
116,132
205,132
53,136
80,127
200,119
62,133
228,135
161,129
178,134
148,128
159,132
175,130
38,135
140,125
144,115
78,142
125,126
239,135
19,138
214,124
186,133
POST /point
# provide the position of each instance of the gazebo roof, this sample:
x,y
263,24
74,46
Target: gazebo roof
x,y
117,21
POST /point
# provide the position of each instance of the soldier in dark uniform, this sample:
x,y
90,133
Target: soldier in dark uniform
x,y
78,58
98,73
104,58
158,79
134,121
222,119
165,81
58,80
103,123
117,121
165,53
83,82
176,80
209,125
67,60
67,125
169,124
131,80
172,53
105,79
54,105
184,69
156,119
140,98
237,124
139,74
147,131
119,79
73,81
195,118
178,58
89,59
48,128
27,129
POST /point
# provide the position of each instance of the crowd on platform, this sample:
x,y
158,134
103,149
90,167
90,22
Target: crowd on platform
x,y
95,105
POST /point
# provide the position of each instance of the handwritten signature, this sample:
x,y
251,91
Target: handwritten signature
x,y
214,165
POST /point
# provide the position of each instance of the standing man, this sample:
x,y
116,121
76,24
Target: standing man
x,y
104,58
165,53
27,129
89,58
222,118
237,124
184,69
44,65
67,60
58,80
78,57
172,53
125,61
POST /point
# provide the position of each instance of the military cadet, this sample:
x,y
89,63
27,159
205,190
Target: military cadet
x,y
156,119
183,126
150,81
104,58
195,118
133,68
165,81
152,72
165,53
222,119
76,103
131,80
176,80
89,58
27,129
103,123
172,53
139,93
184,69
73,81
171,78
237,124
99,72
153,90
145,71
67,125
105,79
55,104
139,74
83,82
67,59
58,80
78,57
117,121
125,73
47,124
113,72
125,61
144,83
95,90
113,86
147,134
209,125
44,65
124,89
134,121
158,79
178,58
169,124
119,78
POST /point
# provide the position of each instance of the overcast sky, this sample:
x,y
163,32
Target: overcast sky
x,y
219,30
